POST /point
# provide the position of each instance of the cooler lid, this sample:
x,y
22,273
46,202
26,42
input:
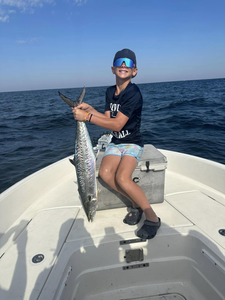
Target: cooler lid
x,y
154,158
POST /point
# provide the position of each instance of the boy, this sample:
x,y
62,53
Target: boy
x,y
123,116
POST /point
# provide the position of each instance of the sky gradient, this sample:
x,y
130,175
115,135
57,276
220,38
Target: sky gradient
x,y
47,44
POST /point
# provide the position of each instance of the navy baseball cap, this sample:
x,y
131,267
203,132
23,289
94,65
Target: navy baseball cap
x,y
126,53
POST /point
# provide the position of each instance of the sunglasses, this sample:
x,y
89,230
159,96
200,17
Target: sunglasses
x,y
128,62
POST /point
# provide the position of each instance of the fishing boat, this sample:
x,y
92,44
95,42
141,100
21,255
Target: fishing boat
x,y
49,250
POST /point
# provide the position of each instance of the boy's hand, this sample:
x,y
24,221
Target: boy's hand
x,y
86,107
79,114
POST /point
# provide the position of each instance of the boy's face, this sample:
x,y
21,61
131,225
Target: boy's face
x,y
123,72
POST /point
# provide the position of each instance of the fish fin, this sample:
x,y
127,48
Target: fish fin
x,y
81,97
72,103
67,100
72,161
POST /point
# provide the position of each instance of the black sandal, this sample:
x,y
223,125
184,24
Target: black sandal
x,y
149,229
134,216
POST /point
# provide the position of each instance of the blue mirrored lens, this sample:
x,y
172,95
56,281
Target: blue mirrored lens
x,y
128,62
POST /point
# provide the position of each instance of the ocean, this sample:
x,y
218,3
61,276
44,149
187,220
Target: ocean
x,y
37,128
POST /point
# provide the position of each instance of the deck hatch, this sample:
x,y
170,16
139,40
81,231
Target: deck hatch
x,y
134,255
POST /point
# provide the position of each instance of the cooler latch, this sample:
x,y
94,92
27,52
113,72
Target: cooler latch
x,y
147,166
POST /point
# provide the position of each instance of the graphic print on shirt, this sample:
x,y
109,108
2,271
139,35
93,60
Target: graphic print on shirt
x,y
114,109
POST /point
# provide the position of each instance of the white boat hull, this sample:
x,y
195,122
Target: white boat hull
x,y
42,214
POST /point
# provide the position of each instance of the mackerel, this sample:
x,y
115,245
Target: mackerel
x,y
85,163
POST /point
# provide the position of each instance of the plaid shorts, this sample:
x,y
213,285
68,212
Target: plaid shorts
x,y
124,149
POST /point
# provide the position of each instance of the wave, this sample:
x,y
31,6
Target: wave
x,y
191,104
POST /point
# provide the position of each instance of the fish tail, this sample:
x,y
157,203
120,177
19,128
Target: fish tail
x,y
72,103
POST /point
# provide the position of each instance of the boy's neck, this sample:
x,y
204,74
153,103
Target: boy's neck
x,y
121,85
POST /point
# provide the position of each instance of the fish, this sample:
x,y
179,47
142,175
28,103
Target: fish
x,y
85,163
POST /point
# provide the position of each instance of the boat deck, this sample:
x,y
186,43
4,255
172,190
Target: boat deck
x,y
54,224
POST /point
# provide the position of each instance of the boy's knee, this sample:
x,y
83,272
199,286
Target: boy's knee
x,y
105,174
121,179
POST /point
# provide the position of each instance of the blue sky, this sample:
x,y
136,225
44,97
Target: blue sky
x,y
46,44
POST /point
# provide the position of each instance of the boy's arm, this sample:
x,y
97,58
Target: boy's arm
x,y
89,109
115,124
102,120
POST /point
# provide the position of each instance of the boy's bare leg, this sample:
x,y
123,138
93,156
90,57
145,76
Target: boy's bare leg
x,y
124,180
117,173
108,171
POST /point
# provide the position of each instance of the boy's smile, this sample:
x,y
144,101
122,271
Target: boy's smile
x,y
123,69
